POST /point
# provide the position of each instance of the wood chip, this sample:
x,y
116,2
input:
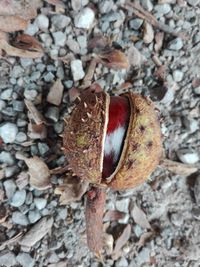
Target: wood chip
x,y
114,215
16,52
140,217
38,171
122,239
37,232
12,23
27,42
72,189
178,168
55,93
148,33
34,115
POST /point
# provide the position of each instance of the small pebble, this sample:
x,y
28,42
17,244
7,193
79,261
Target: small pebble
x,y
19,218
40,203
7,158
191,124
25,260
135,23
176,44
17,71
60,21
197,90
147,4
10,188
177,75
52,113
7,258
8,132
188,156
21,137
163,8
49,77
34,216
32,29
77,70
43,148
2,104
30,94
123,204
59,38
42,22
84,19
11,170
26,62
122,262
18,105
18,198
193,2
6,94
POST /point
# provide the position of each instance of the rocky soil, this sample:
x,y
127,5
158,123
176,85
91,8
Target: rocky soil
x,y
156,224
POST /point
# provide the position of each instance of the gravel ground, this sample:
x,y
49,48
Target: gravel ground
x,y
159,221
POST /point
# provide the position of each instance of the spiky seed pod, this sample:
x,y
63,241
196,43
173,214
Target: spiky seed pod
x,y
84,140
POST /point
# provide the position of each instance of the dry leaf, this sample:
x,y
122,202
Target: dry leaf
x,y
108,242
35,115
98,42
72,189
3,213
25,9
160,73
122,239
136,59
144,238
140,217
178,168
37,131
114,215
148,33
16,52
37,232
159,37
22,180
38,171
114,59
73,94
12,23
11,241
27,42
55,93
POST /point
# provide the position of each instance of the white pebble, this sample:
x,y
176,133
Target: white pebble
x,y
77,70
84,19
42,21
59,38
188,156
123,205
18,198
40,203
177,75
19,218
8,132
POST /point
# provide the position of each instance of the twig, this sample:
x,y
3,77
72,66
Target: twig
x,y
143,14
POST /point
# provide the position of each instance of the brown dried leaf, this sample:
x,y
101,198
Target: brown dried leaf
x,y
12,23
148,33
178,168
136,59
27,42
36,131
72,189
38,171
144,238
35,115
122,239
159,37
37,232
114,59
25,9
108,242
16,52
160,73
11,241
140,217
22,180
3,213
114,215
73,94
195,82
55,93
98,42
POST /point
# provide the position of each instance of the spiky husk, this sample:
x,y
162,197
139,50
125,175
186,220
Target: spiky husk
x,y
142,148
84,135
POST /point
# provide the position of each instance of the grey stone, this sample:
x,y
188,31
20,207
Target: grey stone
x,y
68,84
123,204
122,262
60,21
178,75
10,188
135,23
17,71
18,198
60,73
34,216
7,158
2,104
30,94
73,46
6,94
26,62
53,113
58,127
59,38
46,39
10,171
40,203
21,137
197,90
8,132
7,258
105,6
32,29
191,124
77,70
163,8
35,76
25,260
147,4
19,218
176,44
18,105
49,77
84,19
41,67
43,148
188,156
193,2
42,22
143,256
